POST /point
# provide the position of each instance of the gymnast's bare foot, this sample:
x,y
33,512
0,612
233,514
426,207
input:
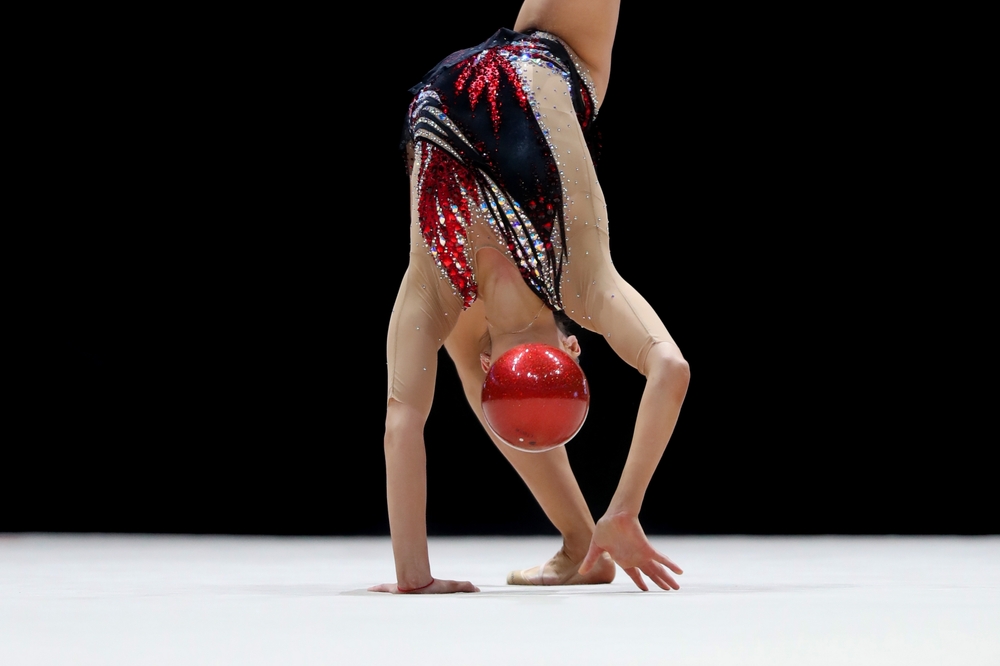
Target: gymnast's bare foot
x,y
562,570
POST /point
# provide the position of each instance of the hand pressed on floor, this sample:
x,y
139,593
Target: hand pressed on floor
x,y
437,587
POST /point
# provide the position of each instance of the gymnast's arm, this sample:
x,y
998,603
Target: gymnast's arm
x,y
638,336
422,318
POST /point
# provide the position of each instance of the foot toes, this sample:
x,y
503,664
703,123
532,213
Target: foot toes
x,y
519,578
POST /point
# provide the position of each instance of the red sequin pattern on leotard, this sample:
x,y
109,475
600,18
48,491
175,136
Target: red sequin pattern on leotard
x,y
485,70
445,189
518,191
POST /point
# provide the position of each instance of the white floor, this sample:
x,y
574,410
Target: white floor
x,y
185,601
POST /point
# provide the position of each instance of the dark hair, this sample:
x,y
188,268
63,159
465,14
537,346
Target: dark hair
x,y
565,324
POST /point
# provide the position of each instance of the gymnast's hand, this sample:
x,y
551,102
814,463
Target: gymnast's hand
x,y
621,537
436,587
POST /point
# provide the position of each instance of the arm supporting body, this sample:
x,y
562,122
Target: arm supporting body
x,y
406,492
423,316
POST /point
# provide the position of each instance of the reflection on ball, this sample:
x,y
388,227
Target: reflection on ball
x,y
535,397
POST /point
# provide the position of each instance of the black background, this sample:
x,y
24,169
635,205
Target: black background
x,y
219,260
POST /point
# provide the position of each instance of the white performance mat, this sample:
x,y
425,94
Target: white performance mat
x,y
185,601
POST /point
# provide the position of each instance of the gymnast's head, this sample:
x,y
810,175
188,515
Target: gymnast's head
x,y
549,328
535,396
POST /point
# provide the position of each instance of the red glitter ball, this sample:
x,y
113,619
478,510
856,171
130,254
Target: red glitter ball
x,y
535,397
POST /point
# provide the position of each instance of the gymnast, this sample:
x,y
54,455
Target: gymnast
x,y
508,238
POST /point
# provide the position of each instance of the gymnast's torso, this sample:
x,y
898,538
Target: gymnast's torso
x,y
506,209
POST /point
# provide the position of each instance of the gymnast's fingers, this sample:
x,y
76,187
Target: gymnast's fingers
x,y
663,559
591,559
461,586
659,575
636,577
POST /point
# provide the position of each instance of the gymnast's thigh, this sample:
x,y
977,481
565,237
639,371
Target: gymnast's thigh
x,y
593,293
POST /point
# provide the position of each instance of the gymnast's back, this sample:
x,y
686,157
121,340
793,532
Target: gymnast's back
x,y
503,184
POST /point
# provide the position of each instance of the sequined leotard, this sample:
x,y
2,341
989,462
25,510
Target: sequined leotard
x,y
496,135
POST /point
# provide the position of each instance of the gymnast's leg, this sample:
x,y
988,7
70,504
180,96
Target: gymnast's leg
x,y
548,475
